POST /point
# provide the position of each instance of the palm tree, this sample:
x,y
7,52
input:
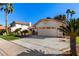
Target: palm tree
x,y
71,29
8,8
72,13
68,12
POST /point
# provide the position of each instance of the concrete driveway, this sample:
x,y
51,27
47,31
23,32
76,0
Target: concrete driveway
x,y
32,46
48,45
10,49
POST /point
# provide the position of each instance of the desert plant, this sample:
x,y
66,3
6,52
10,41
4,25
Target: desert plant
x,y
71,29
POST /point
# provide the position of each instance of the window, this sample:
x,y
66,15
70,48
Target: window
x,y
41,27
46,28
50,27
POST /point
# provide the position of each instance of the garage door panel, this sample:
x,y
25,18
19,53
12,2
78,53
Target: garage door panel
x,y
47,32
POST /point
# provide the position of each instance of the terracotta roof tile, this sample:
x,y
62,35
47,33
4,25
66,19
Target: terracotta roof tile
x,y
2,27
21,22
55,20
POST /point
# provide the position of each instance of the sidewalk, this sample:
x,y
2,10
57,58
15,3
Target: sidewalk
x,y
10,49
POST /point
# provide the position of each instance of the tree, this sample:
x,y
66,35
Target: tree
x,y
8,8
25,31
71,29
70,12
2,31
60,17
17,31
0,24
48,18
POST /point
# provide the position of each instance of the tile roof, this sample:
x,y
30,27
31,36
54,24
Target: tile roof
x,y
21,22
16,22
2,27
42,20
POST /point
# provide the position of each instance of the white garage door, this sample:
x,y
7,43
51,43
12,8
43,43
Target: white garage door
x,y
48,32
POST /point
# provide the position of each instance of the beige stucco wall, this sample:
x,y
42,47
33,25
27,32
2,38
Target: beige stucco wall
x,y
49,32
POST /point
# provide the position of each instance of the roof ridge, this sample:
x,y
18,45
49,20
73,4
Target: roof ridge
x,y
47,19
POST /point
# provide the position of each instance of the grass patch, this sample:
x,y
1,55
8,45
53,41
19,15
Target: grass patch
x,y
8,37
77,40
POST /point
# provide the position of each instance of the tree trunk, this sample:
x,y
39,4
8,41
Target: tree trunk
x,y
6,22
67,16
73,46
71,16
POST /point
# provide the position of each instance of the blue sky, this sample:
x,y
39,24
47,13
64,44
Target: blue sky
x,y
32,12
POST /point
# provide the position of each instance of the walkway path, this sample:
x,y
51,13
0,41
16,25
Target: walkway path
x,y
10,49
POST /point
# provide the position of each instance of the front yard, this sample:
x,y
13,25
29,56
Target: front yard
x,y
8,37
77,41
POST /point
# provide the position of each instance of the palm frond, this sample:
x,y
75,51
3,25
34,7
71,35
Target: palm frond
x,y
68,10
1,6
71,28
64,29
8,7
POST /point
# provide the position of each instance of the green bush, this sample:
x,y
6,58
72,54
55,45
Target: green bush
x,y
77,40
30,32
11,34
2,31
26,32
17,31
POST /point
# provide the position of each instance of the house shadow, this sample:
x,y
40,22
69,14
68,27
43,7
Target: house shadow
x,y
31,36
39,53
38,37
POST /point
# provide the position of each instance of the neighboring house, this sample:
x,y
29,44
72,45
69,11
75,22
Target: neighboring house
x,y
23,25
2,27
48,27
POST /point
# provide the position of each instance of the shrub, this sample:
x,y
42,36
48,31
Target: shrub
x,y
26,32
11,34
2,31
17,31
48,18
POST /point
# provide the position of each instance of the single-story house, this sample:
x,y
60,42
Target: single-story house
x,y
23,25
48,27
2,27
